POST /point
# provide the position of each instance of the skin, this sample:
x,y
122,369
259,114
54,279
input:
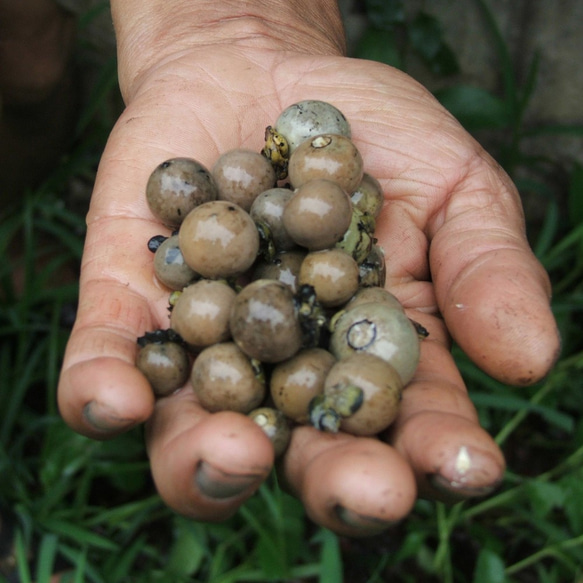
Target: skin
x,y
452,225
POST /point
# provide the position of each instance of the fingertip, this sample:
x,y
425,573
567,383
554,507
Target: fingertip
x,y
501,317
470,472
453,457
354,486
234,441
103,397
206,467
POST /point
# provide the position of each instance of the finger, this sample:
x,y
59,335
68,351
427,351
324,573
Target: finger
x,y
490,288
438,431
205,465
100,392
448,201
352,485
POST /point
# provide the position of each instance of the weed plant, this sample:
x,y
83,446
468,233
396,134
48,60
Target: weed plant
x,y
88,509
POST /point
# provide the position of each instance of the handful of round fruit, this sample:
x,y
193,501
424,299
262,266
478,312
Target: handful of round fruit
x,y
277,304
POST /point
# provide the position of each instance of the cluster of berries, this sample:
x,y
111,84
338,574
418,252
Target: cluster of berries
x,y
277,303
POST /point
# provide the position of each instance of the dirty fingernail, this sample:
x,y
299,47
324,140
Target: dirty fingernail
x,y
472,473
102,418
368,525
217,484
456,492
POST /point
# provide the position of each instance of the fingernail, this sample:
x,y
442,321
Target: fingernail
x,y
471,474
217,484
366,524
101,418
455,492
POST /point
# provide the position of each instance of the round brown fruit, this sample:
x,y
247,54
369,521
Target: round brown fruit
x,y
170,267
275,425
381,392
264,323
317,215
241,175
296,381
267,208
163,360
176,186
219,240
328,156
224,379
332,273
285,267
200,314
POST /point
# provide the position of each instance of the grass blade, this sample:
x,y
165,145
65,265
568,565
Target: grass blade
x,y
46,558
331,568
79,534
24,575
505,59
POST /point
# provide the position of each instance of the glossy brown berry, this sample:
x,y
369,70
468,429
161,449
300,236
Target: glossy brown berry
x,y
275,425
285,268
296,381
163,360
225,379
219,240
201,313
268,209
177,186
263,321
170,267
368,196
328,156
380,386
241,175
317,215
333,275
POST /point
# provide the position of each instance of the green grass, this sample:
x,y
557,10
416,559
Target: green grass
x,y
89,508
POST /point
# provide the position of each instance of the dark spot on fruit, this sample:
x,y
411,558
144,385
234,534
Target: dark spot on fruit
x,y
155,242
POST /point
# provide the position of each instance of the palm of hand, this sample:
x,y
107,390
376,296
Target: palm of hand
x,y
452,231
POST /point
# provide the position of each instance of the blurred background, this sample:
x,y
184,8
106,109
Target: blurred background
x,y
511,73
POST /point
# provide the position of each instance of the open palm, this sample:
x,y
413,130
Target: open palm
x,y
457,258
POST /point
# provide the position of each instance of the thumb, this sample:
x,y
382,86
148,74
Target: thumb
x,y
492,291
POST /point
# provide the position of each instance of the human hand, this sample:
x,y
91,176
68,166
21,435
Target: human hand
x,y
457,258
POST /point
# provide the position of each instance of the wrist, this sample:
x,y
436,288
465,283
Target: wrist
x,y
150,31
